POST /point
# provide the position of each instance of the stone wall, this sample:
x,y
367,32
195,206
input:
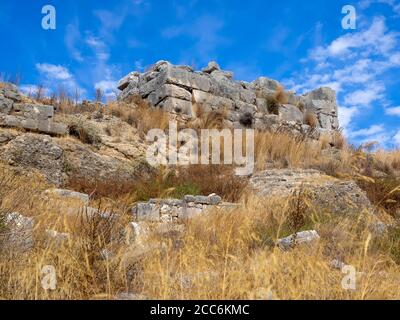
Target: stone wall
x,y
14,112
179,89
169,210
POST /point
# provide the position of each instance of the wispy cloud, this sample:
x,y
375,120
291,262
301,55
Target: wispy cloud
x,y
353,64
396,138
393,111
71,39
54,77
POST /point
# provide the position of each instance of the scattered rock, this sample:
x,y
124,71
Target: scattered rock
x,y
337,196
18,234
300,238
68,194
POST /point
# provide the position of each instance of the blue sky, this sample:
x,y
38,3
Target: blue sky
x,y
300,43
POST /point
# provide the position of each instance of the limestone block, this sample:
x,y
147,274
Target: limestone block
x,y
168,90
225,87
264,83
5,105
288,112
181,77
19,232
177,106
212,66
301,238
212,100
247,96
245,107
69,194
146,212
125,81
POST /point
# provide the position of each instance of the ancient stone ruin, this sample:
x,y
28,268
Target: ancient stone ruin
x,y
14,112
169,210
181,90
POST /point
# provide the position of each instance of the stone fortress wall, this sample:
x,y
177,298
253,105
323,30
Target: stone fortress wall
x,y
15,112
178,89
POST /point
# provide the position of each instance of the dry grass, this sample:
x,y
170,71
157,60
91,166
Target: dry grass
x,y
311,119
139,114
232,256
221,255
389,158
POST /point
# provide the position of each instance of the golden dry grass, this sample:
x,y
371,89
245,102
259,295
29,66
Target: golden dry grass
x,y
222,255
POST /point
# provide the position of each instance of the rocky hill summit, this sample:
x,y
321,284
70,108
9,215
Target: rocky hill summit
x,y
261,104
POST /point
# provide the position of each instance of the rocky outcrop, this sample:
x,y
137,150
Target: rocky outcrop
x,y
168,210
327,193
180,90
58,159
16,113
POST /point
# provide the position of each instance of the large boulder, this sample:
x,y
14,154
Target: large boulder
x,y
327,193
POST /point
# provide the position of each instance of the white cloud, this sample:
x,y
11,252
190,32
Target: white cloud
x,y
365,96
394,111
392,3
57,77
346,115
396,138
52,71
372,130
354,65
108,87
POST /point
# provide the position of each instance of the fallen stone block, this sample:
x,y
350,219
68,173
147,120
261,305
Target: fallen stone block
x,y
300,238
18,235
146,211
69,194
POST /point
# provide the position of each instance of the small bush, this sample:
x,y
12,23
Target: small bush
x,y
383,193
280,95
301,106
311,119
246,120
272,105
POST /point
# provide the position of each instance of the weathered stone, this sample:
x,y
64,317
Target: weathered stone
x,y
125,81
146,212
69,194
264,83
33,151
136,233
214,199
289,112
326,193
244,107
248,96
215,89
221,75
57,237
168,90
19,232
300,238
177,106
187,79
5,105
215,102
212,66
